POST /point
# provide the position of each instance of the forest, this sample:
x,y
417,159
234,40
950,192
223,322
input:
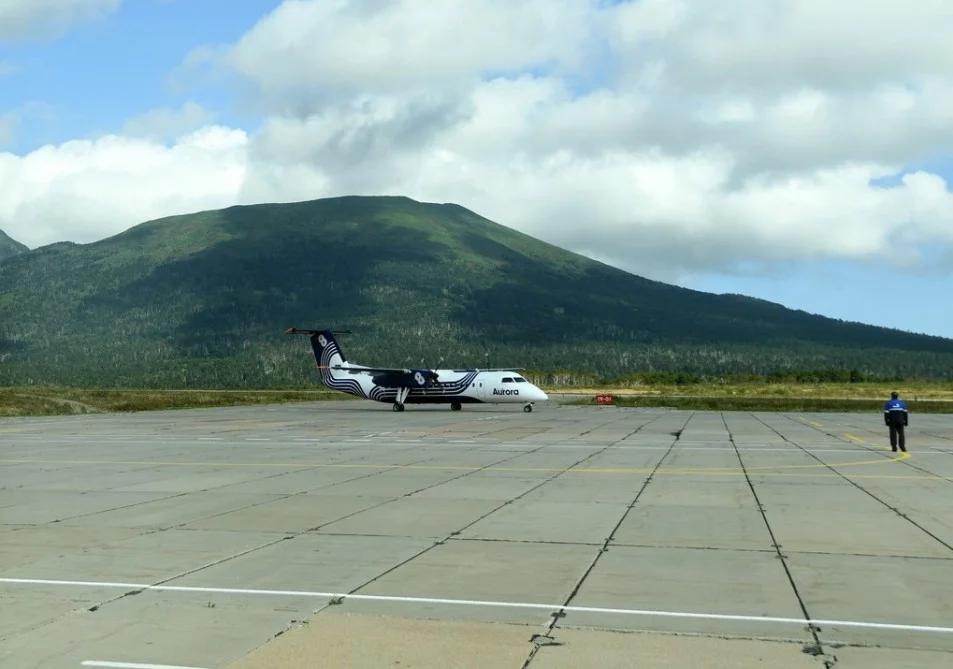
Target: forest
x,y
202,300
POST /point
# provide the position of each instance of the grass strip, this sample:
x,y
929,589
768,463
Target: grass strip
x,y
744,403
51,401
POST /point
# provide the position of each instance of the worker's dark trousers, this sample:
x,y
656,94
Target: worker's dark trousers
x,y
896,434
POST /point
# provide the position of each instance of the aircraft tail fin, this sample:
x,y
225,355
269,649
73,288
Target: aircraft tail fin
x,y
327,352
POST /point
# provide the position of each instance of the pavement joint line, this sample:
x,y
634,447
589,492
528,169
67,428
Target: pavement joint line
x,y
852,481
819,645
609,539
933,629
476,520
873,449
284,536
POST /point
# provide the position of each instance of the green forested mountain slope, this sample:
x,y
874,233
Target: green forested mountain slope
x,y
10,247
202,300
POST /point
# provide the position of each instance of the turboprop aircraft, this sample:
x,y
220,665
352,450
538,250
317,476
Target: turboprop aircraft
x,y
400,386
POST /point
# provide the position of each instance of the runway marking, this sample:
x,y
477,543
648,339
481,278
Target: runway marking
x,y
482,603
857,440
133,665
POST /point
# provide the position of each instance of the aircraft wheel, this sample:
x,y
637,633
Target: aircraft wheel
x,y
456,406
528,408
398,407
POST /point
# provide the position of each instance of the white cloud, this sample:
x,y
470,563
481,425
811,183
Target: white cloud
x,y
86,190
719,134
28,19
395,45
165,123
777,45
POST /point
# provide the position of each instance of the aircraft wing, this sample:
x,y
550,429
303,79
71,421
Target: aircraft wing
x,y
490,369
371,370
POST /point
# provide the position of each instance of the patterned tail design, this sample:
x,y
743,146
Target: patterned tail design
x,y
327,354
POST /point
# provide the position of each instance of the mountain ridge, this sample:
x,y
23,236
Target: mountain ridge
x,y
10,247
202,299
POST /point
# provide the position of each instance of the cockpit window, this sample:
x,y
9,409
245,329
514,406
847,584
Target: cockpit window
x,y
520,379
507,379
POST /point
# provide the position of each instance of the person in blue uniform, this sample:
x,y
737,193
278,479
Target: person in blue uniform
x,y
896,417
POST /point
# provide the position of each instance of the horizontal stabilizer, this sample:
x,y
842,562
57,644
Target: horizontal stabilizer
x,y
293,331
492,369
372,370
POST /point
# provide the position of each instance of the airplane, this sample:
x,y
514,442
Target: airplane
x,y
400,386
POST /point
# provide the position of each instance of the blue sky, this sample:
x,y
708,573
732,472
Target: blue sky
x,y
99,74
871,295
105,71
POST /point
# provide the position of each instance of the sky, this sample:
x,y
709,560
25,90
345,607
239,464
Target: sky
x,y
799,151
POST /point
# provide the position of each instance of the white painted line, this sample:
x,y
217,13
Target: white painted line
x,y
257,439
484,603
133,665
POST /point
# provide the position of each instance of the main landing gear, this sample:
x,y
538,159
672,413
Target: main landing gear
x,y
455,406
402,394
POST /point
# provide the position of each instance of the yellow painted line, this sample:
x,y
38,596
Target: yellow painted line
x,y
613,471
811,422
819,475
856,463
469,468
859,440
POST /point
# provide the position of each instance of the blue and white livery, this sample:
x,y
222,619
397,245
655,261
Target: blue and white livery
x,y
398,387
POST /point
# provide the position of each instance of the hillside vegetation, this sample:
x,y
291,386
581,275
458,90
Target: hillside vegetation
x,y
201,301
10,247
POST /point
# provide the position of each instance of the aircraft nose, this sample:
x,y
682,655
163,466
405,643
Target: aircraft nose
x,y
541,395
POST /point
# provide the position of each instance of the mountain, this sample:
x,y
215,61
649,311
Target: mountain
x,y
10,247
203,299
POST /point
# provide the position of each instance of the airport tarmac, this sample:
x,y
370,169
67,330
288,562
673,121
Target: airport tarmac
x,y
342,534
